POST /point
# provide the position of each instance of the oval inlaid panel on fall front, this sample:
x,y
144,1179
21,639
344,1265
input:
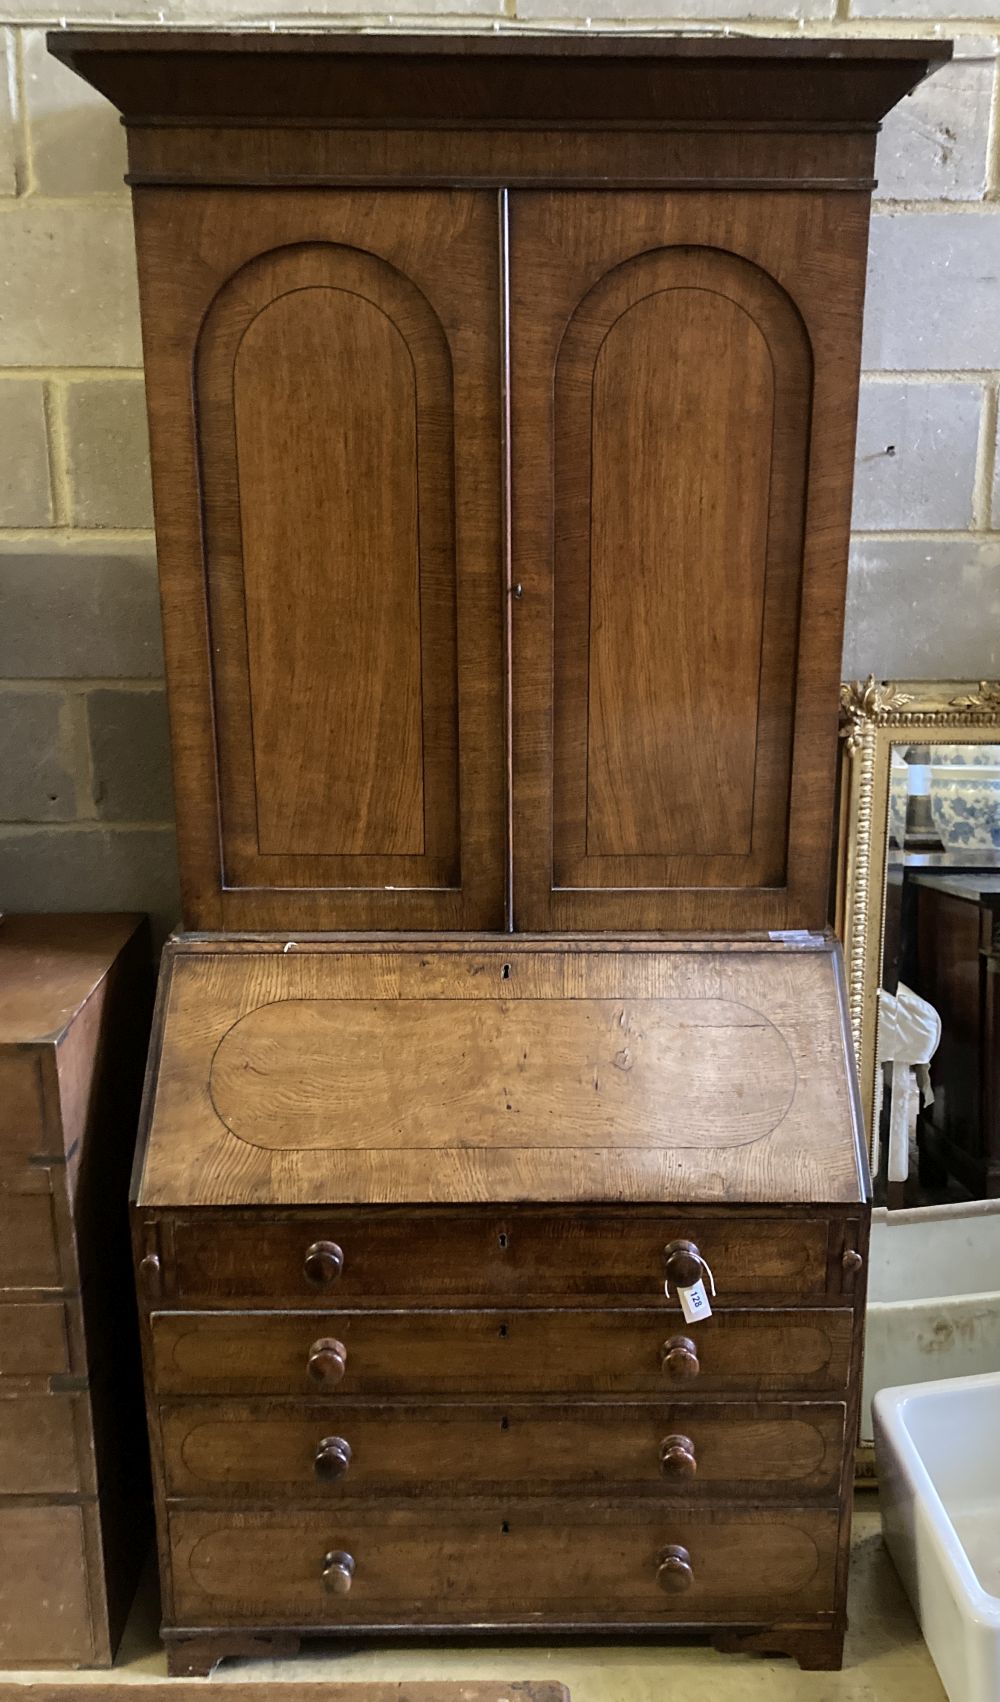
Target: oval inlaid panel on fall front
x,y
504,1073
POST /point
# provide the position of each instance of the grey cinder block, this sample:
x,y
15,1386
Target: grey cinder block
x,y
82,612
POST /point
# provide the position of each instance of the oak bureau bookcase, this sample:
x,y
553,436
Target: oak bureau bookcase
x,y
502,400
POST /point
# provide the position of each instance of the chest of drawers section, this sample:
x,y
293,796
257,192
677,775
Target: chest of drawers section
x,y
74,1013
499,1419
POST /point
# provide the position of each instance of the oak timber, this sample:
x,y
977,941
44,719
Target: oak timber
x,y
503,536
74,1012
502,401
500,1072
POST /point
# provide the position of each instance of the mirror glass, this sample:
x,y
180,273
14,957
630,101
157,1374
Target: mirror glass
x,y
937,1079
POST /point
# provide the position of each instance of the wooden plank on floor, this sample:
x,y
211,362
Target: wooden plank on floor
x,y
281,1690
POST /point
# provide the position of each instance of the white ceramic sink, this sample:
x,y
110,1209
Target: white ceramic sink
x,y
933,1300
937,1448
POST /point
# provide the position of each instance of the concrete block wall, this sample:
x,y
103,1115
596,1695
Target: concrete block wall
x,y
85,809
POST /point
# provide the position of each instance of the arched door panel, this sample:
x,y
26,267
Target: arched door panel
x,y
331,548
672,768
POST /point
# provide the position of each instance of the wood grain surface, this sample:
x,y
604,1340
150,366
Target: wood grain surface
x,y
331,1073
46,1606
500,1072
242,154
676,646
49,968
74,1014
338,740
407,1354
337,699
34,1339
263,1450
335,573
39,1444
534,79
503,538
527,1256
571,1561
692,367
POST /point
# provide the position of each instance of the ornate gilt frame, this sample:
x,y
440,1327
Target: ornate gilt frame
x,y
874,716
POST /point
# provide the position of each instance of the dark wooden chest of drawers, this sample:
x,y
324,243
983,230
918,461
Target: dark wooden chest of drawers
x,y
74,1015
461,1397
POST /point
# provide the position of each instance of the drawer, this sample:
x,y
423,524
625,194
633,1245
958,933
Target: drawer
x,y
505,1565
29,1255
263,1450
461,1257
33,1339
458,1353
44,1611
38,1453
22,1114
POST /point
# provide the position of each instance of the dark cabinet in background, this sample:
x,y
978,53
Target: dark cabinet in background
x,y
956,967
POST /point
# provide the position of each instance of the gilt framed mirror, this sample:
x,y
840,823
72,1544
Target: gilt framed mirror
x,y
918,911
919,816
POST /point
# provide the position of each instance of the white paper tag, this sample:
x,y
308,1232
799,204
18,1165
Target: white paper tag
x,y
694,1303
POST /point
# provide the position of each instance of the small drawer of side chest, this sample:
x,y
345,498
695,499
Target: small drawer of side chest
x,y
503,1564
38,1444
29,1253
22,1106
45,1613
264,1450
473,1257
448,1353
35,1339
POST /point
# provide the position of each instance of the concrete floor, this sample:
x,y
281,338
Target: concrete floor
x,y
886,1660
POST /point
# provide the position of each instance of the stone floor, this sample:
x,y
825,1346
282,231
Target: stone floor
x,y
885,1661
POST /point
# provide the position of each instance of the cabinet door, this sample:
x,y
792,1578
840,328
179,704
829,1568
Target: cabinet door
x,y
684,374
325,429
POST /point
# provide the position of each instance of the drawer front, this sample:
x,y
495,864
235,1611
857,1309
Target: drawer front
x,y
452,1353
22,1114
456,1258
34,1340
38,1454
28,1249
502,1566
261,1450
44,1611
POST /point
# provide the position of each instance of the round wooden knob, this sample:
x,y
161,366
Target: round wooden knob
x,y
674,1572
338,1571
683,1264
852,1261
677,1457
323,1264
680,1357
327,1361
333,1456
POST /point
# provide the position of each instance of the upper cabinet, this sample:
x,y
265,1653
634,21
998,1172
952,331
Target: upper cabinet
x,y
502,399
